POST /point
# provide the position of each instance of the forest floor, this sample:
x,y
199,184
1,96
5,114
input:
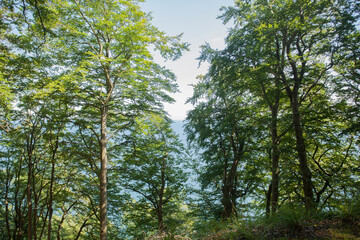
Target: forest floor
x,y
325,229
311,229
287,224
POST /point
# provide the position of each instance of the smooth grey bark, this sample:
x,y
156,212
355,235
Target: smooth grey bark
x,y
103,173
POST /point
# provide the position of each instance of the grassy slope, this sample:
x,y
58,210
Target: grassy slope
x,y
287,224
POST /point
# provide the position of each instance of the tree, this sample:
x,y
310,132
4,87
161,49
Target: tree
x,y
107,47
242,66
348,57
153,170
221,126
294,41
75,51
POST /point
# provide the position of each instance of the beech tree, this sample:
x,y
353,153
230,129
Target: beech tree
x,y
106,46
153,171
348,56
284,57
241,70
85,141
298,46
221,125
97,55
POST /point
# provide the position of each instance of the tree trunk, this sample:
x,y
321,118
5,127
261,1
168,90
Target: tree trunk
x,y
274,164
51,200
30,146
301,149
35,210
228,206
29,202
268,200
227,200
234,194
51,187
161,227
298,78
7,186
18,220
103,174
161,196
229,180
61,222
227,189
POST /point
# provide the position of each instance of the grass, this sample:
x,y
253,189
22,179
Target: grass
x,y
349,212
289,223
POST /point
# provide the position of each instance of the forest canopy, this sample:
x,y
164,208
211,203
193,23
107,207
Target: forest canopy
x,y
87,150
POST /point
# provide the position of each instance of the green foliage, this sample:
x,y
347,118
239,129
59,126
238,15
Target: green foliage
x,y
60,63
288,218
278,69
152,169
349,212
230,229
222,126
78,77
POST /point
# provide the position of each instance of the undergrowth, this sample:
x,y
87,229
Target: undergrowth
x,y
288,223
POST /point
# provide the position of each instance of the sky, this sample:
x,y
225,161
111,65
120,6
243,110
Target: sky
x,y
197,20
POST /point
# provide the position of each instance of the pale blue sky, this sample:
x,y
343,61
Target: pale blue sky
x,y
197,20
